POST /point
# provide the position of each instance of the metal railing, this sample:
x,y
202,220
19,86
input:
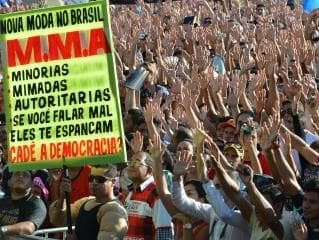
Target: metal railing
x,y
43,234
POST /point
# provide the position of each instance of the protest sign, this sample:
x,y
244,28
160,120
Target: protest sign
x,y
61,94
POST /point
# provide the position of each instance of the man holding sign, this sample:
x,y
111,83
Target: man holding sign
x,y
97,217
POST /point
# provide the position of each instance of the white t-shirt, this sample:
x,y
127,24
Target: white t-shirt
x,y
309,138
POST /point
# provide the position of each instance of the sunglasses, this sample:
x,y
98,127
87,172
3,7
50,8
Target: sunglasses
x,y
98,179
136,164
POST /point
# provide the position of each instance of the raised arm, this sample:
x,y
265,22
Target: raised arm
x,y
179,197
302,147
214,197
266,214
57,210
161,185
232,189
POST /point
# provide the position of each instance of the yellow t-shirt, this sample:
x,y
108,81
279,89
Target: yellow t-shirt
x,y
258,234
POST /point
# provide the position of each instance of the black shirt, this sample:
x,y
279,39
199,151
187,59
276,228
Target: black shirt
x,y
87,226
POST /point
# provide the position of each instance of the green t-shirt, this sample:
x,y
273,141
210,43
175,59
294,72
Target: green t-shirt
x,y
258,233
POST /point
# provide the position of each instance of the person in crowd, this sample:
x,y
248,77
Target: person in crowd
x,y
99,216
21,212
193,228
147,217
245,75
218,229
132,120
228,130
308,229
39,189
234,154
80,185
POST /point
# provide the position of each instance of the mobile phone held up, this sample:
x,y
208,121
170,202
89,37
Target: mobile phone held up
x,y
246,129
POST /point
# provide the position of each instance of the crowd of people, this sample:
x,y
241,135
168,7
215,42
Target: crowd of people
x,y
222,135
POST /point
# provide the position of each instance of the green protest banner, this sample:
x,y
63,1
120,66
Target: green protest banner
x,y
61,95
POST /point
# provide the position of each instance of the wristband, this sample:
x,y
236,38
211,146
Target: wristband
x,y
187,226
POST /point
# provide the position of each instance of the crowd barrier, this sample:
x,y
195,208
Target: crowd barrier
x,y
43,234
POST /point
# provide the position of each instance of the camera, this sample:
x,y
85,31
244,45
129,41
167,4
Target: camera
x,y
315,36
246,129
312,102
245,171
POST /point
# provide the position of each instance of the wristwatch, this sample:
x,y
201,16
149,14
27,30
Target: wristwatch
x,y
187,226
3,230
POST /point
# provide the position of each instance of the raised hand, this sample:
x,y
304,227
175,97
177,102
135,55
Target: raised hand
x,y
149,112
287,141
216,161
293,88
271,34
177,87
260,98
300,231
270,131
198,136
183,162
264,140
205,78
236,53
242,84
157,100
136,143
234,93
179,113
246,173
65,186
55,174
202,168
296,98
261,61
216,84
271,60
275,121
258,82
155,148
247,140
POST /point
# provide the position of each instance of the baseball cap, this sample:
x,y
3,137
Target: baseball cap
x,y
267,185
263,181
237,147
228,123
109,171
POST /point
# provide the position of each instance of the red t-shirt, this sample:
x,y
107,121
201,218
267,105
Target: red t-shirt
x,y
80,185
262,160
140,206
263,163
